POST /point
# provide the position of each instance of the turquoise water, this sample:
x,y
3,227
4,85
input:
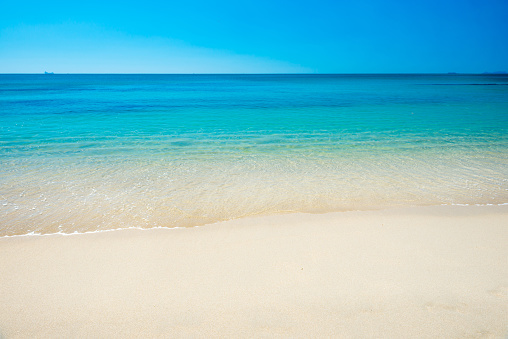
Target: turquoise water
x,y
93,152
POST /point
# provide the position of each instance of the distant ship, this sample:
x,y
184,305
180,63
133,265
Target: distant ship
x,y
49,73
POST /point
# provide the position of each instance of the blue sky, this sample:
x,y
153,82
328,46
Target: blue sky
x,y
262,36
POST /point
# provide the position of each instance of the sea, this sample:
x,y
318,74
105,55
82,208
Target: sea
x,y
95,152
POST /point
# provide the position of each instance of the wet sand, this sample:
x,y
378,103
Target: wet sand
x,y
423,272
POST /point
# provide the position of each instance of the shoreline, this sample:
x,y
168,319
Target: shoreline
x,y
274,215
426,272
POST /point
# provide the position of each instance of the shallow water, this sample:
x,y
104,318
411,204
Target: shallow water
x,y
95,152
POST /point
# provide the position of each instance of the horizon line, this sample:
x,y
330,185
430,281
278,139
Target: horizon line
x,y
360,73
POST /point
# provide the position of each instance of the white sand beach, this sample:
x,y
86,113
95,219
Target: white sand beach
x,y
423,272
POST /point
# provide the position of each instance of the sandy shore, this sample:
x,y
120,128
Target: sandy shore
x,y
427,272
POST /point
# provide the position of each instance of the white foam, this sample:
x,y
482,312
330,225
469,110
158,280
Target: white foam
x,y
31,234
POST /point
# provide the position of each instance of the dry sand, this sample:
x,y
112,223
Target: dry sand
x,y
426,272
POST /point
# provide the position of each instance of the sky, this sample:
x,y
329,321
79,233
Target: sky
x,y
254,36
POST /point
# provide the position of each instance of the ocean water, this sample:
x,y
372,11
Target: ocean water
x,y
82,153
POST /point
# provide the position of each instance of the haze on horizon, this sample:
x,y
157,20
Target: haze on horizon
x,y
262,36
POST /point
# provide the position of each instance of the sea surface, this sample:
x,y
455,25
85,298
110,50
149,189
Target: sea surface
x,y
82,153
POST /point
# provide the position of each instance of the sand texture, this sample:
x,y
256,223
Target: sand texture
x,y
424,272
